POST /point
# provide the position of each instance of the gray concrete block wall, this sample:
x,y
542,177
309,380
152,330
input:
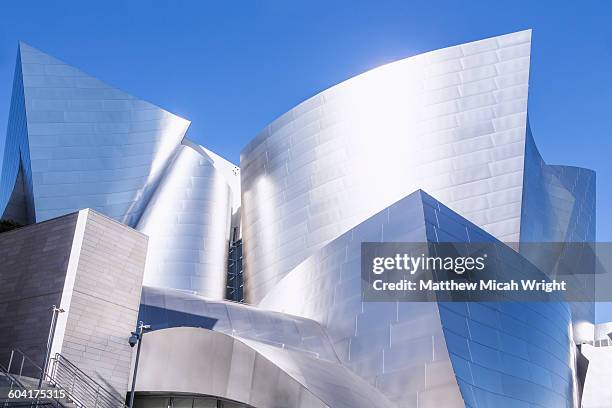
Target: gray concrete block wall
x,y
105,301
33,262
90,265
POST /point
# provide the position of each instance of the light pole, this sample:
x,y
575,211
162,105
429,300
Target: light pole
x,y
56,311
136,338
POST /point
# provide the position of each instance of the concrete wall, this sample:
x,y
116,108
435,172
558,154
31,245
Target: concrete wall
x,y
32,276
92,267
105,299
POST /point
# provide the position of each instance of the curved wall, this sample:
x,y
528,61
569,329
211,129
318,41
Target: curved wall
x,y
398,347
187,221
197,361
187,360
75,142
451,121
164,308
83,143
558,201
422,354
16,167
559,206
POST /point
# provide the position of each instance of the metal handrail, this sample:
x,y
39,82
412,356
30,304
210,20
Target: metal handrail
x,y
14,380
6,372
82,385
78,386
42,374
24,358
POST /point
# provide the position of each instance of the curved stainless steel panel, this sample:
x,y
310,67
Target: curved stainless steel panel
x,y
197,361
558,201
504,354
205,362
451,121
16,165
89,144
165,308
75,142
559,206
398,347
187,221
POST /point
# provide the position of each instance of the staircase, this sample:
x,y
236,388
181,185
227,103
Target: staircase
x,y
87,392
72,387
9,382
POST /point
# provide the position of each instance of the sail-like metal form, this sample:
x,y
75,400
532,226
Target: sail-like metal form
x,y
82,143
433,148
452,122
432,354
337,170
74,142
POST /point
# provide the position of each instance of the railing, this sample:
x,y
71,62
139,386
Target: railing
x,y
9,382
27,371
85,391
32,376
79,388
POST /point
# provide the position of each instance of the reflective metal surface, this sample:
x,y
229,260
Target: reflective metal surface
x,y
188,224
258,357
166,308
196,361
426,354
398,347
16,201
340,169
558,201
452,122
82,142
559,206
75,142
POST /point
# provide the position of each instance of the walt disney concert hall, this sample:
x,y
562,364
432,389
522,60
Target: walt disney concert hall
x,y
248,277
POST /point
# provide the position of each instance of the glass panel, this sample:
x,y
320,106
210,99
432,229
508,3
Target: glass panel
x,y
205,403
178,402
151,402
227,404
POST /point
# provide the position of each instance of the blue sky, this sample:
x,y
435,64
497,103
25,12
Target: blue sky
x,y
231,67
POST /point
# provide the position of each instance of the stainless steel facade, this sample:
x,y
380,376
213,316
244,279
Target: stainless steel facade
x,y
16,199
188,223
89,144
242,353
558,206
452,122
347,166
74,142
405,354
427,354
232,370
164,308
